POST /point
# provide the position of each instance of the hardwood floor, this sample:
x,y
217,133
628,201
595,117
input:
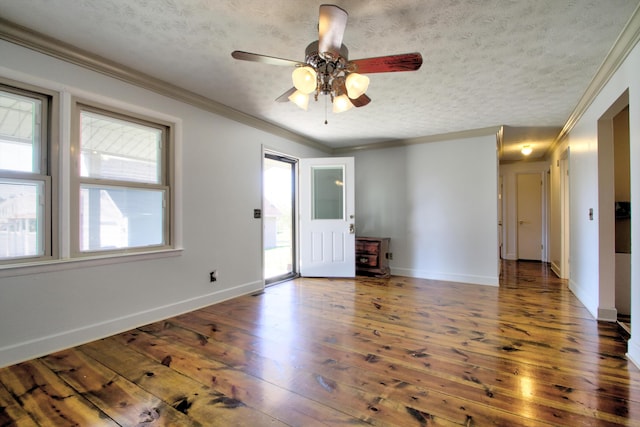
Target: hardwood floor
x,y
384,352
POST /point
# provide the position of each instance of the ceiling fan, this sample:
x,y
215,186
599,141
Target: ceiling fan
x,y
327,69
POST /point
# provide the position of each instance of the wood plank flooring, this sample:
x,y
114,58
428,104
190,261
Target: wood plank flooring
x,y
325,352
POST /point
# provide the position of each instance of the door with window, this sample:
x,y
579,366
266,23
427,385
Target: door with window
x,y
327,217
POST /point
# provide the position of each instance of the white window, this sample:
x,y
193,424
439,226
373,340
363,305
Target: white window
x,y
118,198
26,221
120,181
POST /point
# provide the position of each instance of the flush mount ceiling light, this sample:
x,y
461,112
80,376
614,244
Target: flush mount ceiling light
x,y
327,70
526,150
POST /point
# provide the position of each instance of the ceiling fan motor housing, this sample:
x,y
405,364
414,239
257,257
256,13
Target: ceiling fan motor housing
x,y
331,70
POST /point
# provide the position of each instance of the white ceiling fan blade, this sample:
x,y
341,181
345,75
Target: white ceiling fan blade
x,y
264,59
331,26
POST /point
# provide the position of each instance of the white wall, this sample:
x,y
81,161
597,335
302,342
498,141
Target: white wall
x,y
509,173
221,185
599,296
438,204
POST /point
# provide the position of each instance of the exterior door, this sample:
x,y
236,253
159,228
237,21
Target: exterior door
x,y
279,217
529,187
327,212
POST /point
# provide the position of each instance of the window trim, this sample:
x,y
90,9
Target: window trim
x,y
166,179
48,162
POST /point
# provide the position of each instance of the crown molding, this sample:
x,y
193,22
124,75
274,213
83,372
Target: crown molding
x,y
471,133
623,45
500,142
38,42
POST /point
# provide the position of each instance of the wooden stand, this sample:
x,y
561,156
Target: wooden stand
x,y
372,256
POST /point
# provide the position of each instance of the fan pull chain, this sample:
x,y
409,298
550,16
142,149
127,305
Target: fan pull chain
x,y
325,110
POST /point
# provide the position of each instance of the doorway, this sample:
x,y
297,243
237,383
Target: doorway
x,y
621,166
279,215
614,205
565,218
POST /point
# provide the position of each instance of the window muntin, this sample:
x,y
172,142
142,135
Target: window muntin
x,y
122,190
26,220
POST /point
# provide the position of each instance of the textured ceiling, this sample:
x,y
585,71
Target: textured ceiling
x,y
520,63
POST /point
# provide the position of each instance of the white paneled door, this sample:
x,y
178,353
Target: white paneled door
x,y
529,216
327,217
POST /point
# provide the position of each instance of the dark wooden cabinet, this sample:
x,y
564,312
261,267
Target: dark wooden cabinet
x,y
372,256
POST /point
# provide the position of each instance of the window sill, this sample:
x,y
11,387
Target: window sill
x,y
39,267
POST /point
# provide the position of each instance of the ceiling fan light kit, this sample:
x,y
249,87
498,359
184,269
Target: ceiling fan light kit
x,y
327,69
305,79
357,85
341,103
300,98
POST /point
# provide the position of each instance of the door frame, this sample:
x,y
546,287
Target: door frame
x,y
606,211
295,215
565,217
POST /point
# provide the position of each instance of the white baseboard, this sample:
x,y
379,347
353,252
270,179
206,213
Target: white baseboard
x,y
607,314
460,278
633,352
584,298
27,350
556,269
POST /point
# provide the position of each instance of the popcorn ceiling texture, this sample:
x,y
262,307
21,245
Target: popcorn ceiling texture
x,y
486,62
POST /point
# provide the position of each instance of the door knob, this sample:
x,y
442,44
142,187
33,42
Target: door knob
x,y
352,229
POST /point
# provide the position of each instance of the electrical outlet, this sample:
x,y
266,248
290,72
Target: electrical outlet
x,y
389,255
213,276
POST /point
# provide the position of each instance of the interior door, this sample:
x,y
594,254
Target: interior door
x,y
327,212
529,187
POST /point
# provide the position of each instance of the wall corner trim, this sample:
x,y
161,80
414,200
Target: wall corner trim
x,y
607,314
471,133
447,277
633,352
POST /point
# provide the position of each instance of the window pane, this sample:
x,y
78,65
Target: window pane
x,y
19,133
114,217
328,196
21,220
119,150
